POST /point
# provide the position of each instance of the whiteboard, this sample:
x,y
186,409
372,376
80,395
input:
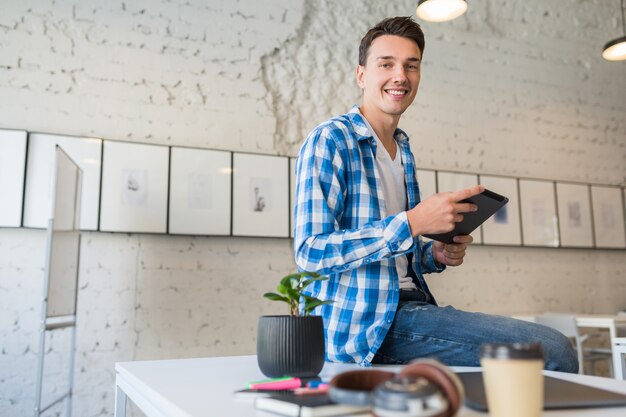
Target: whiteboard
x,y
86,152
64,238
12,164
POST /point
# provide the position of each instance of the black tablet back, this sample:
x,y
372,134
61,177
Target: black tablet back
x,y
488,203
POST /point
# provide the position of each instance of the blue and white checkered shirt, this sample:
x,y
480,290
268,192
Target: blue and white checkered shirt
x,y
342,231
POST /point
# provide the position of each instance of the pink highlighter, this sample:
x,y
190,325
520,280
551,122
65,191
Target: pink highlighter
x,y
276,384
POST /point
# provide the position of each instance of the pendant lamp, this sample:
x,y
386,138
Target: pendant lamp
x,y
615,50
440,10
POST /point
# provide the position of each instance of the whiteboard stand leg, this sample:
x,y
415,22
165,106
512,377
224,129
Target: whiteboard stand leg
x,y
40,355
70,397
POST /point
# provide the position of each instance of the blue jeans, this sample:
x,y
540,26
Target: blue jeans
x,y
454,337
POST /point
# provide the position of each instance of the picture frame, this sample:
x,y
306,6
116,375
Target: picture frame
x,y
574,212
608,217
427,181
292,195
12,173
86,152
260,195
134,187
200,192
538,213
503,228
455,181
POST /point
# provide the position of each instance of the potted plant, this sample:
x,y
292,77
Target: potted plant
x,y
292,345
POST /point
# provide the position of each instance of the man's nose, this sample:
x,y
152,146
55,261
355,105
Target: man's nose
x,y
399,74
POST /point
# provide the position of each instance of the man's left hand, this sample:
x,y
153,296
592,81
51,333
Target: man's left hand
x,y
451,254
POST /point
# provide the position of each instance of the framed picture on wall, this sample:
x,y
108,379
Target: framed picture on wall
x,y
86,152
200,191
12,165
134,188
427,181
574,209
503,228
260,195
453,181
608,216
292,193
538,212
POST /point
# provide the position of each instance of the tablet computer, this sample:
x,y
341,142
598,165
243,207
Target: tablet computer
x,y
487,202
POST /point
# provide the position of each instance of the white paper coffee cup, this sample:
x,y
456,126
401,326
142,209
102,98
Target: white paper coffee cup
x,y
513,379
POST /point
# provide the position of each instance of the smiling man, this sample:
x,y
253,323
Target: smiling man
x,y
358,220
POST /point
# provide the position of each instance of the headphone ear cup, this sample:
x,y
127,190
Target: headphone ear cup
x,y
356,387
443,377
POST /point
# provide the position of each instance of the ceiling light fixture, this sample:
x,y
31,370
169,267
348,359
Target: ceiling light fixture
x,y
440,10
615,50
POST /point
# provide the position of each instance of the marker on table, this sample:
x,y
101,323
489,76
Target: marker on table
x,y
276,383
318,389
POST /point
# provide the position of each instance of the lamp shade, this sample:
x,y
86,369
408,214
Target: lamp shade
x,y
440,10
615,50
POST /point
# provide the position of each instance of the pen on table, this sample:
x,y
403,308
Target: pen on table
x,y
318,389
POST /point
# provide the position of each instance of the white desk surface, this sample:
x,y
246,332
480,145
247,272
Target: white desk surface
x,y
204,387
587,320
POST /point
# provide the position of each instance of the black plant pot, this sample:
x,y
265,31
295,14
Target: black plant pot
x,y
290,346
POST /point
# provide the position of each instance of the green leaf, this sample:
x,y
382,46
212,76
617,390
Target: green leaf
x,y
290,281
291,287
293,294
311,280
310,306
275,297
283,289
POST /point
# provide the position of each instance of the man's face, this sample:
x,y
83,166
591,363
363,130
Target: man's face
x,y
391,75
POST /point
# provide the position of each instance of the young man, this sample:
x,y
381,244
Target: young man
x,y
358,219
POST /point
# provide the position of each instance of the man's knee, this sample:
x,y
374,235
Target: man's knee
x,y
559,352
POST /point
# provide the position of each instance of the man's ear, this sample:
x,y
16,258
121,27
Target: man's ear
x,y
360,74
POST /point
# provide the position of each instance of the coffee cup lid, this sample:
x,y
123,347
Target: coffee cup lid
x,y
511,351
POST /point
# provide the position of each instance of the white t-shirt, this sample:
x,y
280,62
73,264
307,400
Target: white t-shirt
x,y
391,172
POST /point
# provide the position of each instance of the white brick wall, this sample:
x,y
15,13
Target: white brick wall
x,y
512,88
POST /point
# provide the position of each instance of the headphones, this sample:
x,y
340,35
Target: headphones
x,y
424,388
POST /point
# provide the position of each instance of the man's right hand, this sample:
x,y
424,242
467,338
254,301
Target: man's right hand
x,y
440,212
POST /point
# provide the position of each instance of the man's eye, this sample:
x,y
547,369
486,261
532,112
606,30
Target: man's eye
x,y
385,65
412,67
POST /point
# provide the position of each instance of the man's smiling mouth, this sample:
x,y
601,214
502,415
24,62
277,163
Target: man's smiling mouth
x,y
397,93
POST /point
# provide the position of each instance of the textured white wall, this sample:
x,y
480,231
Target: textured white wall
x,y
512,88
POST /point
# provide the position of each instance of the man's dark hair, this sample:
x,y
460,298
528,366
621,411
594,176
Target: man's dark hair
x,y
398,26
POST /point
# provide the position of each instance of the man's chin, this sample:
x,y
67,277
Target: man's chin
x,y
396,111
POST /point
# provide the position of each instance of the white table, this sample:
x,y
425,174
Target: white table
x,y
614,323
204,387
